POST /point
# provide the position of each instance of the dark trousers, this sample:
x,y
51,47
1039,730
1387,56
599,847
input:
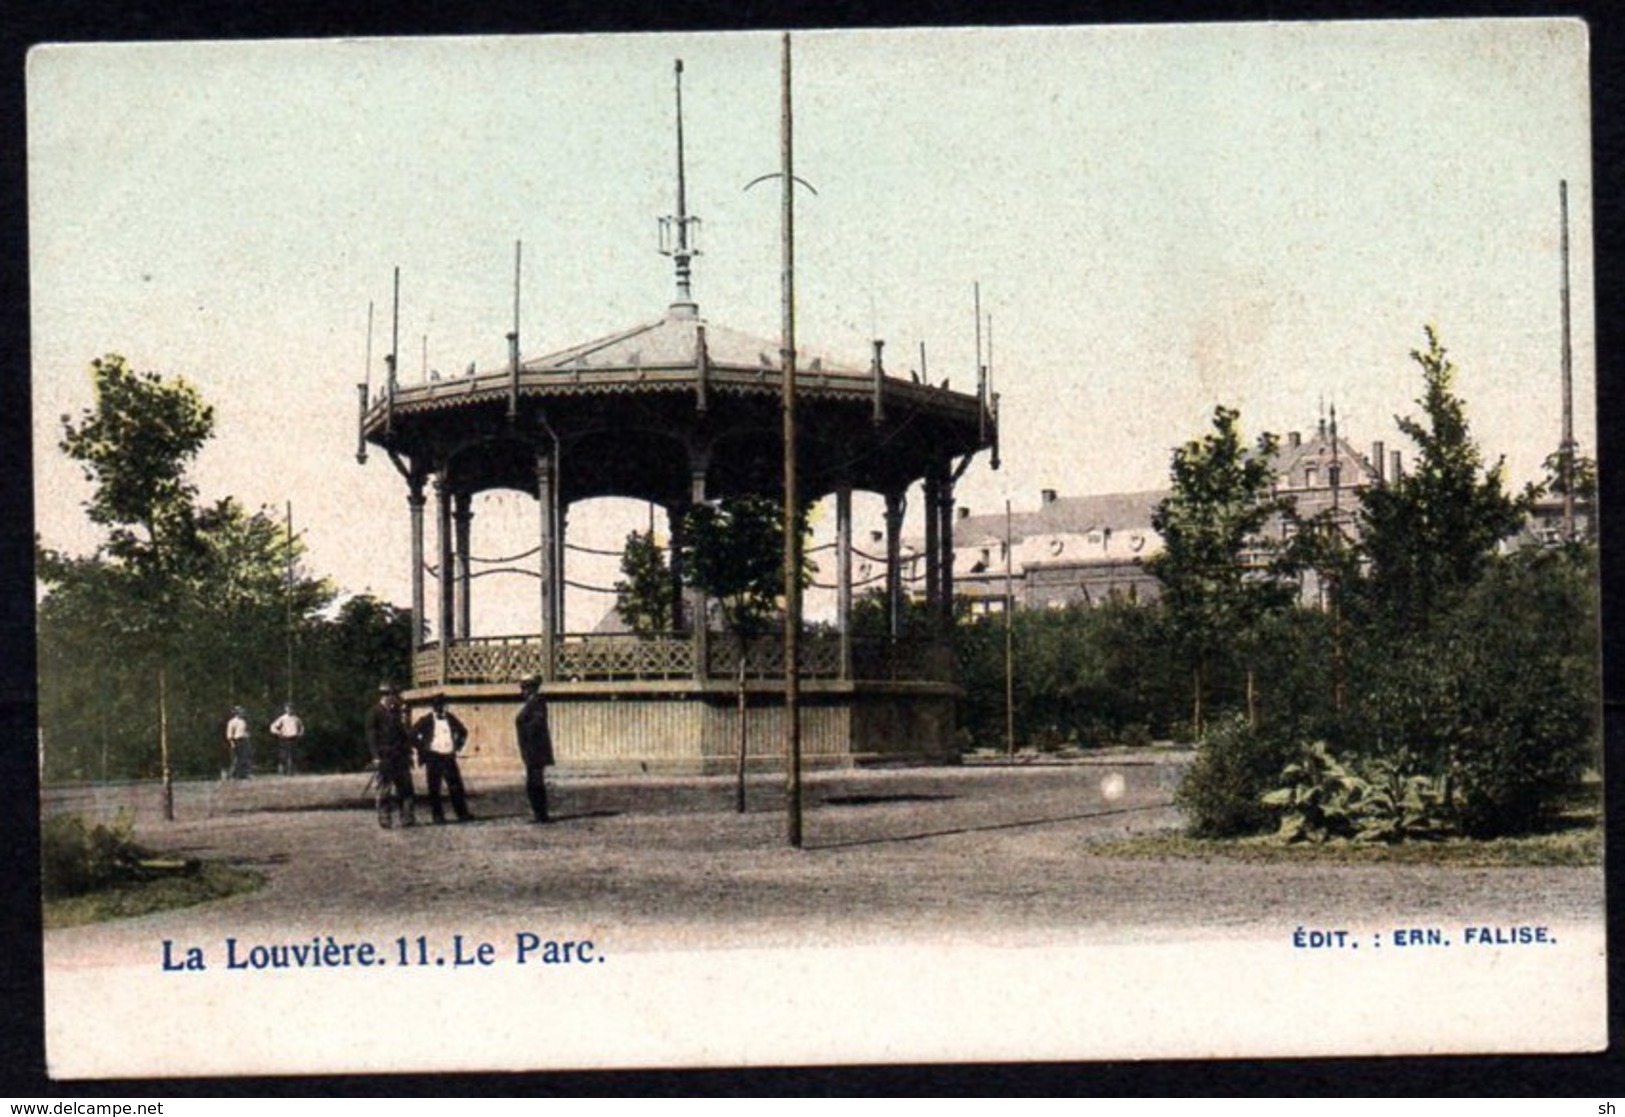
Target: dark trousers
x,y
242,758
285,763
440,767
395,792
536,791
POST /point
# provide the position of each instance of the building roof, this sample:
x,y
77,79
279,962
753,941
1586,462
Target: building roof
x,y
673,341
1065,515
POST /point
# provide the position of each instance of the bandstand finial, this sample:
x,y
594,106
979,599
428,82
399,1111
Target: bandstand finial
x,y
675,234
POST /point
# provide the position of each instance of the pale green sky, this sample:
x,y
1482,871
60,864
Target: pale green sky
x,y
1161,219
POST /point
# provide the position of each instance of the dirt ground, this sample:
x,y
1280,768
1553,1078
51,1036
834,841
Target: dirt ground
x,y
990,854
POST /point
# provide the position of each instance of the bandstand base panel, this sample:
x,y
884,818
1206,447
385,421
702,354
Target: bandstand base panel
x,y
692,728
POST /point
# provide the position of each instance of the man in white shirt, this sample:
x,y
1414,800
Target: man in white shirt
x,y
288,730
240,745
439,737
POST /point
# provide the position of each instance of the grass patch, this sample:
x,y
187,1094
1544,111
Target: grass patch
x,y
1576,840
127,899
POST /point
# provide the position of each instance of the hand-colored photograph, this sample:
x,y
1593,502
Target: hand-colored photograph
x,y
843,547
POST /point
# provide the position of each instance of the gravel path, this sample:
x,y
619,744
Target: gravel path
x,y
984,854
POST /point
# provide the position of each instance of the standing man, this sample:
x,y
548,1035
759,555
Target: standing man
x,y
240,745
439,737
392,753
288,730
535,745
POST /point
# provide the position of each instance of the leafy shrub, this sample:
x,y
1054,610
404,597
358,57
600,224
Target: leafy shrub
x,y
1500,692
1324,800
1235,766
1404,806
77,856
1525,693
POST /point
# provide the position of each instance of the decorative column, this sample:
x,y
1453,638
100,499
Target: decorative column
x,y
561,530
415,500
894,563
463,516
699,460
945,539
933,550
675,514
843,573
443,623
547,498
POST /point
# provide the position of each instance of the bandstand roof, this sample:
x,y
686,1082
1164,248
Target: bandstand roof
x,y
627,408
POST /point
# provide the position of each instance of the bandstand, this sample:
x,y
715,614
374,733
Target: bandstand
x,y
677,411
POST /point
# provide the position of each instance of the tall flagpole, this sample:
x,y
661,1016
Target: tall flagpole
x,y
792,537
288,598
1567,449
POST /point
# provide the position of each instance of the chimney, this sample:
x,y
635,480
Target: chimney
x,y
1294,439
1376,461
1395,471
1046,496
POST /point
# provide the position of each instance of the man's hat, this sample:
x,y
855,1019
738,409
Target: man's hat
x,y
530,682
388,688
437,699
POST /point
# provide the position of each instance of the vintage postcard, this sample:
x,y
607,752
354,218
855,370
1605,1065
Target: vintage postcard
x,y
1193,437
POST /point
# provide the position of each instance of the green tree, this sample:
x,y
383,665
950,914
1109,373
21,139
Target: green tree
x,y
1428,536
1469,666
135,445
733,551
187,609
1585,476
1218,577
348,651
91,639
643,596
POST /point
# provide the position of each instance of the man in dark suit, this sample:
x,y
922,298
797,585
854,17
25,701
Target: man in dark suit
x,y
535,745
392,753
439,736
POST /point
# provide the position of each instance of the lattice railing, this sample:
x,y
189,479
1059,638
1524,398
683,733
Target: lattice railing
x,y
608,658
625,657
819,656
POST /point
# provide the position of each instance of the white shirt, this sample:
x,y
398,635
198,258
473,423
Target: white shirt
x,y
237,728
442,743
288,725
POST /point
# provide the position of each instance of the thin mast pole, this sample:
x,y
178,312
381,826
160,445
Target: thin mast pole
x,y
394,354
1567,449
513,336
288,598
981,366
363,390
792,537
1009,640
